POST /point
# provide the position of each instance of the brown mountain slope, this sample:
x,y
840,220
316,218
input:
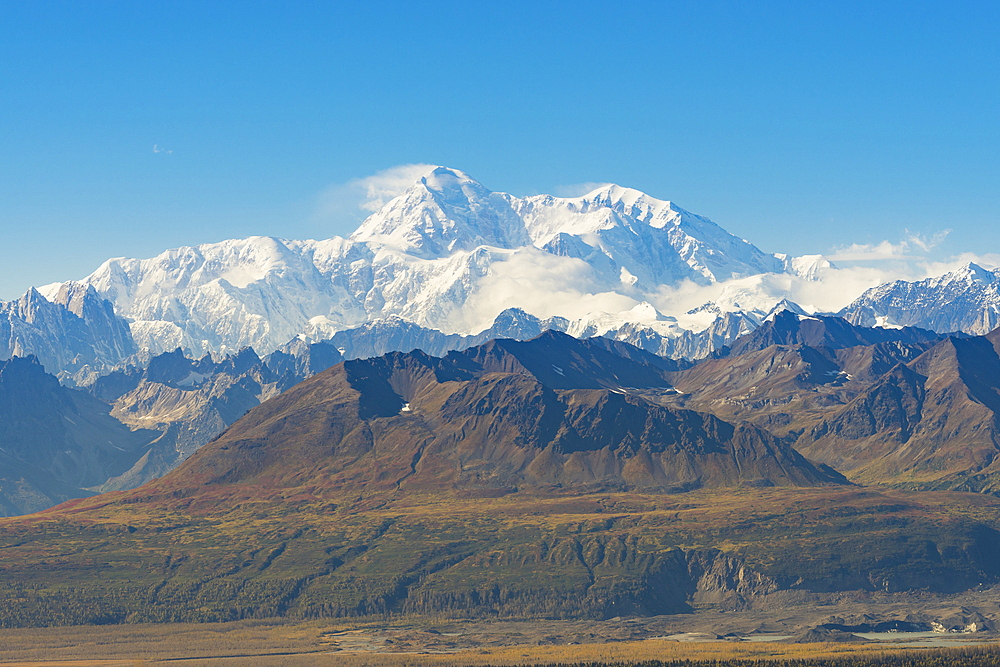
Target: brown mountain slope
x,y
791,372
786,389
780,388
933,423
413,485
410,421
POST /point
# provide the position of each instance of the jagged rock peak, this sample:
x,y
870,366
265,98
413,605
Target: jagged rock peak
x,y
786,305
971,272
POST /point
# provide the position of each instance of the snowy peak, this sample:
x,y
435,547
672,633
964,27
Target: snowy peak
x,y
447,211
784,305
444,212
605,208
75,330
447,253
635,205
970,273
967,300
449,182
809,267
654,241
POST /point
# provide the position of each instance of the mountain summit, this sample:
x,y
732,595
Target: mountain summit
x,y
444,212
447,211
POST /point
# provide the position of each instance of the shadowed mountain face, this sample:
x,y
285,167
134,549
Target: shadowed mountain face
x,y
934,423
551,412
903,406
56,442
133,425
788,328
192,400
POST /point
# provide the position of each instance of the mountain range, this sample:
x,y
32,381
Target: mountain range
x,y
555,411
471,406
818,384
447,254
965,300
557,477
901,406
449,264
139,422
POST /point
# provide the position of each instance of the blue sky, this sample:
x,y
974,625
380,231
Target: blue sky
x,y
805,129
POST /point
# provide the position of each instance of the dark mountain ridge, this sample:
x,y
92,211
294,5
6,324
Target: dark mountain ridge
x,y
789,328
793,370
470,485
497,417
932,423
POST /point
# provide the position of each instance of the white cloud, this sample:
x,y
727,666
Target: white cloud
x,y
926,244
828,289
347,204
990,260
869,251
577,189
157,149
911,246
540,283
387,184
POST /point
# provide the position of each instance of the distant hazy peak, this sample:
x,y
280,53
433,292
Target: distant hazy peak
x,y
966,299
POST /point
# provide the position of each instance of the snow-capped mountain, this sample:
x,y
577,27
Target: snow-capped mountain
x,y
967,300
655,242
446,254
72,329
223,296
444,212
